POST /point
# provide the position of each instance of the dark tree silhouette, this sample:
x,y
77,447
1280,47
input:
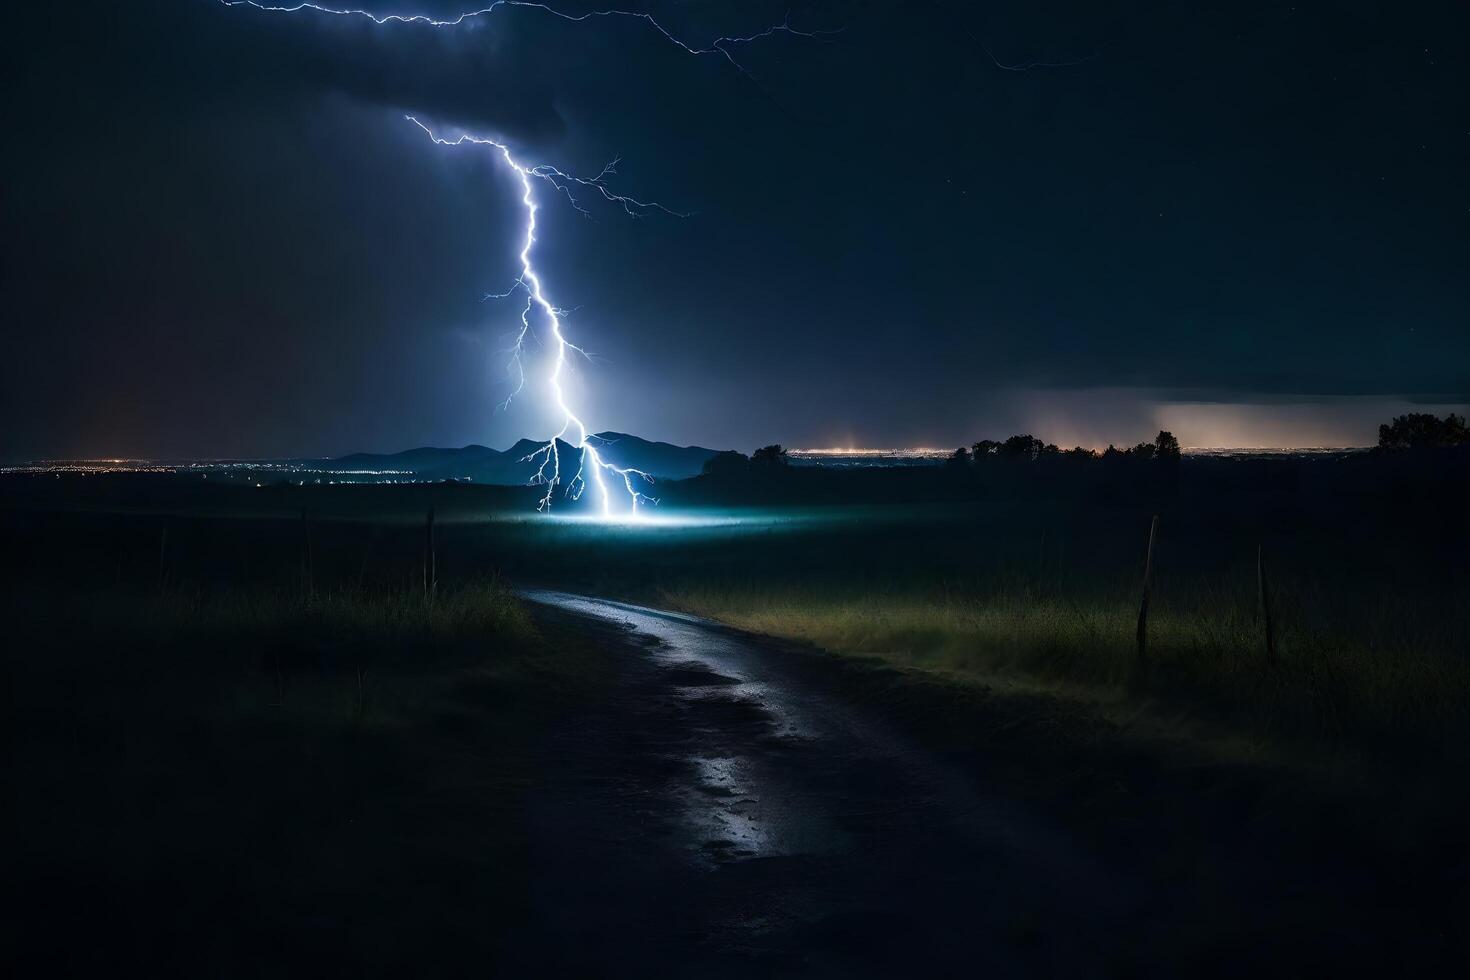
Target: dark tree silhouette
x,y
726,464
959,459
771,457
1166,447
1420,430
1022,447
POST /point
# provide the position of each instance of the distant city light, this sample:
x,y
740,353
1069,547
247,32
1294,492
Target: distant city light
x,y
921,452
299,469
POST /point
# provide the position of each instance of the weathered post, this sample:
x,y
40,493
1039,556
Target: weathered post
x,y
1148,584
367,552
1265,606
1041,562
431,572
162,553
306,584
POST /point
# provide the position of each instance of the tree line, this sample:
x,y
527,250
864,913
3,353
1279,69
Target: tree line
x,y
775,458
1420,430
1026,447
1415,430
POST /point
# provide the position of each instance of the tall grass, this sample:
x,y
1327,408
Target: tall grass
x,y
212,775
1392,670
357,654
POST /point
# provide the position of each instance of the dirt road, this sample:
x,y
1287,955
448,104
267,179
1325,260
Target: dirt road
x,y
724,813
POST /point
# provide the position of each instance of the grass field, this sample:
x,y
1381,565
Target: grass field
x,y
1367,582
1399,679
217,779
1371,649
244,727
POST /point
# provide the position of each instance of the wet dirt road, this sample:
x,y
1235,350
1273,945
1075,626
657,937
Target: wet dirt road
x,y
722,814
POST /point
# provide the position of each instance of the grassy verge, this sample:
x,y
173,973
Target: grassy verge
x,y
1389,674
223,782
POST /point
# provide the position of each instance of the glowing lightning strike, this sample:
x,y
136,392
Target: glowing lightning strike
x,y
592,469
591,464
719,46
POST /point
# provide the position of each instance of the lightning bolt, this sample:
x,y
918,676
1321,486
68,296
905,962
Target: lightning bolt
x,y
592,471
720,46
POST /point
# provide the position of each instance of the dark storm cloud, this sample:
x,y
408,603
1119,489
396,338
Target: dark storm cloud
x,y
222,238
198,56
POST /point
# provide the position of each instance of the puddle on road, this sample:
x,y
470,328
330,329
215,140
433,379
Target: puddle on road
x,y
692,673
727,802
723,809
734,801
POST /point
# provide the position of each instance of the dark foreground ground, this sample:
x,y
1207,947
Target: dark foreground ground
x,y
685,800
248,739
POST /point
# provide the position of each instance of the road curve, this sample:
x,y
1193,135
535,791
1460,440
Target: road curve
x,y
724,812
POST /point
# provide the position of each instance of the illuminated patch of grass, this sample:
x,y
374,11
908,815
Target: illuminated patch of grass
x,y
1390,671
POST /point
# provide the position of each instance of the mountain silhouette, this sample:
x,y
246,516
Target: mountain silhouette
x,y
510,467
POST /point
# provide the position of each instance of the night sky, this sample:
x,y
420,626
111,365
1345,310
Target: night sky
x,y
1248,224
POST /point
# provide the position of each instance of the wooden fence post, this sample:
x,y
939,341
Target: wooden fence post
x,y
1265,596
306,583
162,553
367,552
1148,584
431,571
